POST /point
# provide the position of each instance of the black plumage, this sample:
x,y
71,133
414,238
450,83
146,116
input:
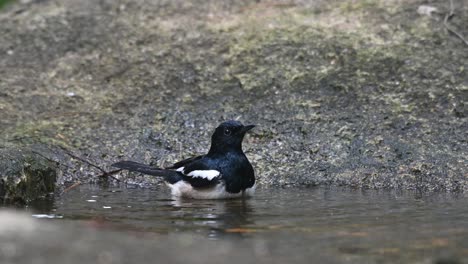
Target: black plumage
x,y
224,165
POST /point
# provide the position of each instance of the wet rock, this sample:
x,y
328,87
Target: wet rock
x,y
25,176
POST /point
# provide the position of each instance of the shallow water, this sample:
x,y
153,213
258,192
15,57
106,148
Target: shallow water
x,y
314,225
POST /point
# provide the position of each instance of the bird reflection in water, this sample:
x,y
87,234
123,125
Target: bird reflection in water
x,y
220,217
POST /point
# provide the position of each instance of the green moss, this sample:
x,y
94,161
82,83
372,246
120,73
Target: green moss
x,y
3,3
352,6
40,177
42,131
26,177
305,58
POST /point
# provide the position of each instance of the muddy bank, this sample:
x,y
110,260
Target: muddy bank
x,y
365,94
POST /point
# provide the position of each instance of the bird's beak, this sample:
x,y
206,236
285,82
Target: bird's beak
x,y
247,128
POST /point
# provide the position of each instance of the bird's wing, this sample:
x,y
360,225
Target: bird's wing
x,y
196,171
184,162
200,174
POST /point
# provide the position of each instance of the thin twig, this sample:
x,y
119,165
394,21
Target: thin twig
x,y
47,158
104,172
69,153
449,16
50,159
110,173
83,160
76,184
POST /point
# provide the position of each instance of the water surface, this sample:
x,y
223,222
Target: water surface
x,y
313,225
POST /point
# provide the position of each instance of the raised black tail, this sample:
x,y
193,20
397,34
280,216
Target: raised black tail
x,y
168,175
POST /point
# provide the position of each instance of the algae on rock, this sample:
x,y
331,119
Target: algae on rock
x,y
25,176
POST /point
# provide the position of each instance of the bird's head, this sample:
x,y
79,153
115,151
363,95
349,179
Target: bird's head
x,y
228,136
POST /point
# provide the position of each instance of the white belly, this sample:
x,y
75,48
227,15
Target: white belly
x,y
183,189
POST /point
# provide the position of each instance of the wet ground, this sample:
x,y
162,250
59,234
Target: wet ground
x,y
310,225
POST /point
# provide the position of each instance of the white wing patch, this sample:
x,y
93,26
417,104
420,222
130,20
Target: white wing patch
x,y
205,174
181,169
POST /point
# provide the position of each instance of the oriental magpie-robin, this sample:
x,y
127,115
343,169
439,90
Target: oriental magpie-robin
x,y
224,172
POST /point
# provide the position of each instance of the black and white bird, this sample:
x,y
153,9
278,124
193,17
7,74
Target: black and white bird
x,y
224,172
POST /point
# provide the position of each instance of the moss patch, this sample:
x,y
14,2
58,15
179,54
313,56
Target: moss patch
x,y
4,3
25,176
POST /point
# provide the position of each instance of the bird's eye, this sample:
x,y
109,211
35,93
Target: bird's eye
x,y
227,131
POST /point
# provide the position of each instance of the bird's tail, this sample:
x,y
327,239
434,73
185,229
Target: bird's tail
x,y
168,175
